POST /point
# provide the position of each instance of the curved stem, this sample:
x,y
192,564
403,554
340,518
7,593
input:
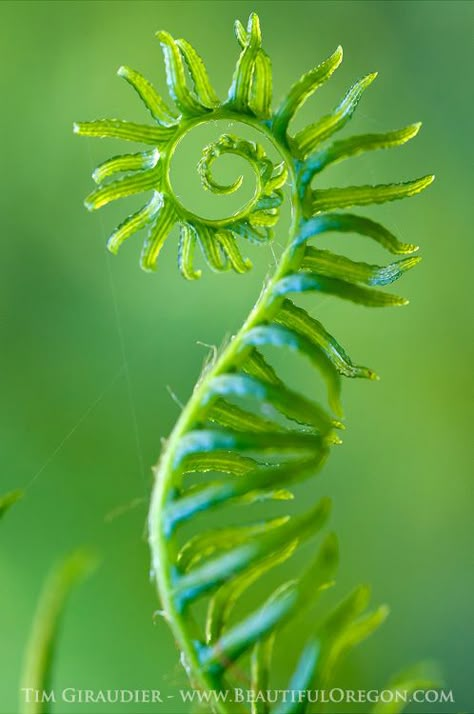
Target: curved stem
x,y
232,355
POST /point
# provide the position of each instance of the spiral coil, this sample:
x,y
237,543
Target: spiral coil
x,y
256,436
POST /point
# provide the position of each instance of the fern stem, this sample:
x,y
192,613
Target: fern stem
x,y
235,352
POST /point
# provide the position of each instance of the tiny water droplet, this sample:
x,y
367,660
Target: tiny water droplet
x,y
159,613
184,663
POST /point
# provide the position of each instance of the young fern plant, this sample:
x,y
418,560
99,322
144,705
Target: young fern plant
x,y
244,432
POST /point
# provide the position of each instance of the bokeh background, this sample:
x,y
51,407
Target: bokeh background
x,y
90,344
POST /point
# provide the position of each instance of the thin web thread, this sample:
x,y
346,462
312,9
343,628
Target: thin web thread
x,y
123,351
74,428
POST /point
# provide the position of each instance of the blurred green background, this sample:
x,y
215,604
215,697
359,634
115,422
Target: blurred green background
x,y
90,343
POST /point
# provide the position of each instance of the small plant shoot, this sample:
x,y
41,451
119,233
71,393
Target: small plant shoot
x,y
246,436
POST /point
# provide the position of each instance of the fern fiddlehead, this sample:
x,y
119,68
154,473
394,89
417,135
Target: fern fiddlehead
x,y
244,431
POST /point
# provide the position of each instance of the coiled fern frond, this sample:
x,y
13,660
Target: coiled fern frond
x,y
244,435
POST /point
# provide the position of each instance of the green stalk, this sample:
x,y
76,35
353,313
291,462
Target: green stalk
x,y
234,354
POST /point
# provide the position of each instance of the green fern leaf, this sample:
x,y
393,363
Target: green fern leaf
x,y
355,145
299,321
308,139
323,262
325,199
304,88
302,282
202,85
149,96
244,436
127,130
126,163
301,679
348,223
185,100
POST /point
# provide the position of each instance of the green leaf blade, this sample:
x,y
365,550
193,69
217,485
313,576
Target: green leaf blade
x,y
185,100
231,250
350,223
149,96
306,141
297,319
327,199
331,265
157,235
279,336
356,145
197,69
187,244
134,223
123,187
126,163
41,647
303,89
127,130
285,401
301,680
302,282
239,97
241,637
